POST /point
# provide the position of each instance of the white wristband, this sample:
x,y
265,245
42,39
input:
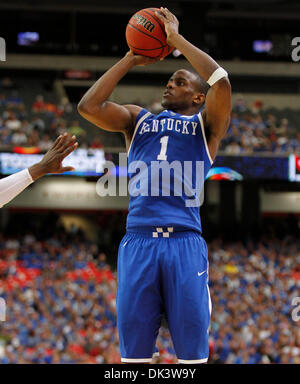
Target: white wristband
x,y
217,75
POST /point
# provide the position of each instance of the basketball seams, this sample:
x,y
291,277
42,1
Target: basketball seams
x,y
147,49
161,27
139,49
137,29
156,19
162,51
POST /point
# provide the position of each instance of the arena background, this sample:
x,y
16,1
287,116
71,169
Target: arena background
x,y
59,239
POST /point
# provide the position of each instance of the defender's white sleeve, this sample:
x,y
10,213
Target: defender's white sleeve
x,y
14,184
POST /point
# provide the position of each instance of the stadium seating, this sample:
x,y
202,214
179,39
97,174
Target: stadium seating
x,y
30,115
61,302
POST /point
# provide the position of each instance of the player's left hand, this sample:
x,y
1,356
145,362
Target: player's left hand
x,y
52,160
140,60
170,22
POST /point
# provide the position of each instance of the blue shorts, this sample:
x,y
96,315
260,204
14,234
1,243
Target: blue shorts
x,y
163,275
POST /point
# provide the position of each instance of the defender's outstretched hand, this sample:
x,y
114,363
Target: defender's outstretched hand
x,y
11,186
52,161
170,22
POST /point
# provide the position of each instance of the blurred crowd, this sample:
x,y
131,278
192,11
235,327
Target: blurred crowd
x,y
252,288
252,129
61,302
251,133
38,124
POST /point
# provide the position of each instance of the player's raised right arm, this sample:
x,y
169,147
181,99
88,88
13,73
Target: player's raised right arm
x,y
107,115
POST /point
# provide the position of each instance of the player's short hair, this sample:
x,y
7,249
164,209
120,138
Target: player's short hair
x,y
200,83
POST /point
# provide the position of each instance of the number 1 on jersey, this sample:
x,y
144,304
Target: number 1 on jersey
x,y
163,150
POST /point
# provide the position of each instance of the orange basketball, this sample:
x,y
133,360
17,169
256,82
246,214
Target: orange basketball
x,y
146,36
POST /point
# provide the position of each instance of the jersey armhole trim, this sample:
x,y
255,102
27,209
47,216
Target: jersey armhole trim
x,y
204,137
138,123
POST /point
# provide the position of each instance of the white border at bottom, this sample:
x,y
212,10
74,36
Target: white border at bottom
x,y
200,361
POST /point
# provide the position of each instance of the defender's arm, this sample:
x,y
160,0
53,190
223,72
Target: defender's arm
x,y
11,186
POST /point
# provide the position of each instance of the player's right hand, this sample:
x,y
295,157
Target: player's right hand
x,y
170,22
140,60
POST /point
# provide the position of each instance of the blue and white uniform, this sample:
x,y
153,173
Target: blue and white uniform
x,y
162,261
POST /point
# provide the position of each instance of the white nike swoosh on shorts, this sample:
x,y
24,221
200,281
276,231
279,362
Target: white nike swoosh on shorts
x,y
201,273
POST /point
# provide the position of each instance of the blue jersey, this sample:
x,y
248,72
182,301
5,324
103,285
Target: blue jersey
x,y
168,160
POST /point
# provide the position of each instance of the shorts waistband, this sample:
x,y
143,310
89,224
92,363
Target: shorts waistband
x,y
162,232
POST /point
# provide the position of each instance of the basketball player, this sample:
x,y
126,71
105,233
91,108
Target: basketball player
x,y
13,185
162,260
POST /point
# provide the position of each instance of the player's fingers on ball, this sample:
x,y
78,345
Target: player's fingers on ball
x,y
174,17
163,12
170,15
160,15
151,60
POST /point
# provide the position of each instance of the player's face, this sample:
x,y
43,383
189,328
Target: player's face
x,y
180,91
